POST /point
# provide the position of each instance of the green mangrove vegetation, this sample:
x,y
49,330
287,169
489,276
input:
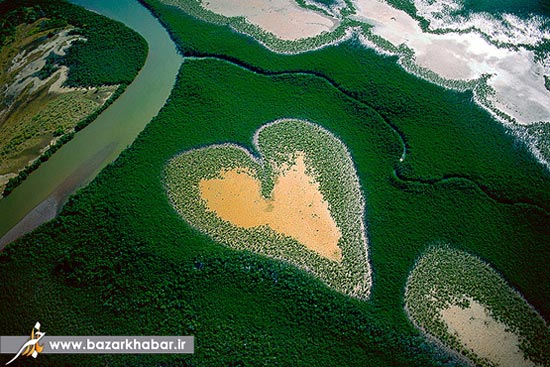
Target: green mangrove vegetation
x,y
120,249
433,167
430,121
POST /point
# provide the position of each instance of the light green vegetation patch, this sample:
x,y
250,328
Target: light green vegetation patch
x,y
28,131
34,117
278,142
539,135
445,277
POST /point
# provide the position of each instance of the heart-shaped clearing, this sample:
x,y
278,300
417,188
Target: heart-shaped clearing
x,y
296,208
302,203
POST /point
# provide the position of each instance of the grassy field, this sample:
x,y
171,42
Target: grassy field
x,y
120,260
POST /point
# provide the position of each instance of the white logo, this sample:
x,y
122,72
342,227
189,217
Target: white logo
x,y
31,347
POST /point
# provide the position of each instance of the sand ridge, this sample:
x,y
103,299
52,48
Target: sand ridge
x,y
296,208
25,65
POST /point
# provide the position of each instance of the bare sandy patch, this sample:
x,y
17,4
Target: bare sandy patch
x,y
25,64
283,18
296,209
488,338
4,179
516,78
60,77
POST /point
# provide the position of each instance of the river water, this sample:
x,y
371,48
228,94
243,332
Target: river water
x,y
42,194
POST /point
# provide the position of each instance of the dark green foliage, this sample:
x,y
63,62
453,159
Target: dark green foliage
x,y
317,5
152,274
119,260
51,66
112,54
13,13
313,5
326,2
443,131
522,8
53,23
406,5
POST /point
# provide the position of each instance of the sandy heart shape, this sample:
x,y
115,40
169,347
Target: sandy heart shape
x,y
299,202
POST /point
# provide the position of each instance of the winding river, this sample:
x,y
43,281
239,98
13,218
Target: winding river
x,y
40,197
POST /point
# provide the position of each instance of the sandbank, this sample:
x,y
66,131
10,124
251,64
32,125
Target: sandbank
x,y
517,80
26,64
